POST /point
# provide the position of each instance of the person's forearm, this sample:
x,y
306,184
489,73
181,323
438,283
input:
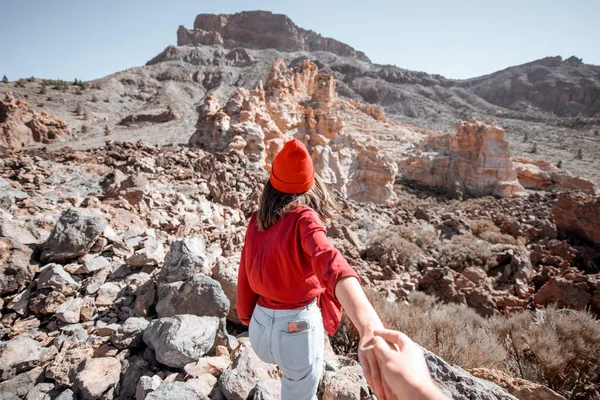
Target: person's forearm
x,y
357,306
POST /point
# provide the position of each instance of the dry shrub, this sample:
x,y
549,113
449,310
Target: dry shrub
x,y
488,231
454,332
424,236
558,348
392,250
463,251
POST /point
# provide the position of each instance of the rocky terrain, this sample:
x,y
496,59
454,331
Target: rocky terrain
x,y
124,202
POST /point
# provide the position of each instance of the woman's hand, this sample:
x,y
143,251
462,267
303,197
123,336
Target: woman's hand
x,y
366,321
403,367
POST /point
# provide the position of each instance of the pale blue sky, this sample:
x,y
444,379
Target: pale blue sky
x,y
88,39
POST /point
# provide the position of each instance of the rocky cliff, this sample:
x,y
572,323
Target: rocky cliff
x,y
259,30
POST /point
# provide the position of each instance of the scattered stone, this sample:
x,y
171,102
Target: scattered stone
x,y
73,236
203,384
40,392
133,369
182,339
66,395
146,385
129,334
15,267
19,355
175,391
151,254
53,276
268,389
347,383
208,365
96,376
64,366
93,264
18,387
186,259
70,312
107,294
200,296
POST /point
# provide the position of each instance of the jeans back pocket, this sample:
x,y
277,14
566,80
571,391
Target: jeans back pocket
x,y
296,349
255,334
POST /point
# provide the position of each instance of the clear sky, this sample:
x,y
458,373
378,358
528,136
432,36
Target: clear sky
x,y
88,39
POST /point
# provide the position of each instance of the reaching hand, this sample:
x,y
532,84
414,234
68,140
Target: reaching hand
x,y
403,368
372,366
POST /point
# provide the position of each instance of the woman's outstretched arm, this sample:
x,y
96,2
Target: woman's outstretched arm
x,y
362,314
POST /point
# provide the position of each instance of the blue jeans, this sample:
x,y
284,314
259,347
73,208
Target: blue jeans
x,y
299,355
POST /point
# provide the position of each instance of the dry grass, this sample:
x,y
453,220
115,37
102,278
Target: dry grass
x,y
488,231
392,250
557,348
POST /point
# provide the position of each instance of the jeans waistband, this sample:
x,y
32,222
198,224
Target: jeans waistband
x,y
271,313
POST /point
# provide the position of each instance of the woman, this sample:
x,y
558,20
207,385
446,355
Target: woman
x,y
292,281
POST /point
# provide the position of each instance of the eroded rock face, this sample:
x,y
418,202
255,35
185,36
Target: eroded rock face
x,y
543,175
476,156
21,126
298,103
259,30
579,215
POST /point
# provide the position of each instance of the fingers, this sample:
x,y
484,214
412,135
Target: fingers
x,y
395,337
376,379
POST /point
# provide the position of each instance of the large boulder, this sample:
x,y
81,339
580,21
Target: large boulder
x,y
182,339
15,267
96,376
200,296
186,258
73,236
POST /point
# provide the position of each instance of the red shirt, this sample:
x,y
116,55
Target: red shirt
x,y
288,265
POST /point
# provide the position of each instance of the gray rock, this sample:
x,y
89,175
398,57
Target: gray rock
x,y
96,376
151,254
200,296
16,269
18,355
226,273
70,312
54,276
18,387
95,264
186,258
20,302
458,384
182,339
107,294
146,385
175,391
133,369
96,281
73,236
347,383
40,392
240,378
267,389
66,395
130,333
9,195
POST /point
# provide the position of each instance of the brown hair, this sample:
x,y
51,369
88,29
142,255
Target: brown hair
x,y
273,203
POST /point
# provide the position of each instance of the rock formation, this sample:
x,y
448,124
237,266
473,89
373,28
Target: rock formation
x,y
477,157
579,215
543,175
21,126
259,29
300,103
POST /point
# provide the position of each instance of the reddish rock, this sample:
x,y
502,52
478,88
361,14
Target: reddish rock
x,y
579,215
565,293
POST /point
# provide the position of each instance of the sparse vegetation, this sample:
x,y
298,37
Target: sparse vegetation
x,y
559,164
534,149
557,348
392,250
96,86
525,137
78,109
169,109
106,130
4,79
94,99
579,155
21,83
31,79
106,100
488,231
86,116
455,192
84,129
79,92
596,133
463,251
43,89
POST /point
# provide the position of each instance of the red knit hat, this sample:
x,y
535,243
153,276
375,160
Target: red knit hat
x,y
292,171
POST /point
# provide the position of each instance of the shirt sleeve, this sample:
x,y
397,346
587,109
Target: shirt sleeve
x,y
327,262
246,298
